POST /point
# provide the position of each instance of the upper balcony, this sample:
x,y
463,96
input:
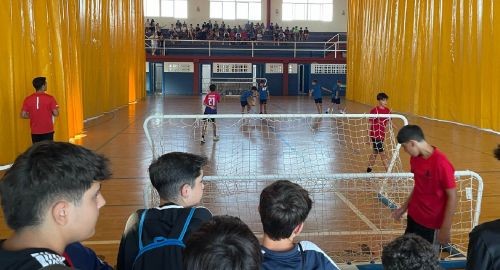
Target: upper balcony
x,y
331,50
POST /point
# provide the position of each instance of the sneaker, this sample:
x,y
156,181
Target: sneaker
x,y
342,111
202,139
216,138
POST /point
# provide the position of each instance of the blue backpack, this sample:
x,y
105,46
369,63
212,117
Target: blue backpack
x,y
160,241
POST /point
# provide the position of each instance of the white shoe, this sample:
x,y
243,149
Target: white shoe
x,y
216,138
202,139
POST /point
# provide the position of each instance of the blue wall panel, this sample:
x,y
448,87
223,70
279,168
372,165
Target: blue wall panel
x,y
274,83
178,83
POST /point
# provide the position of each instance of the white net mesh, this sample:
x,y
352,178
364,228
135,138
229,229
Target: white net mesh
x,y
350,219
326,154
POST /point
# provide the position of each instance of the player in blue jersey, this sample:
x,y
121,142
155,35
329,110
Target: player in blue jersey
x,y
247,99
263,96
315,92
336,98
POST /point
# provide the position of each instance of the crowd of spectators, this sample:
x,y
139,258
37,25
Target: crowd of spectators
x,y
235,34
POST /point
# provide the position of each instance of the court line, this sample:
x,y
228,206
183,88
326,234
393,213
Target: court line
x,y
357,211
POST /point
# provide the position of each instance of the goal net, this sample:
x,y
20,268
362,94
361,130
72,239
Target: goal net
x,y
234,86
326,154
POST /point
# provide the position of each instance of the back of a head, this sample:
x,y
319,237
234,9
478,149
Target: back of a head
x,y
45,173
496,152
283,205
254,88
410,132
173,170
409,252
212,87
382,96
223,243
39,82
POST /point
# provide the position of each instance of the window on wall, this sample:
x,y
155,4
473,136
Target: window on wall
x,y
236,9
310,10
166,8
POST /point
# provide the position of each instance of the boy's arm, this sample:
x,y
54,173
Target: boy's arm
x,y
396,214
326,89
25,114
451,203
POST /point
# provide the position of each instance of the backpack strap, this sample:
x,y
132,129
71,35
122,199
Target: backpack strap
x,y
160,241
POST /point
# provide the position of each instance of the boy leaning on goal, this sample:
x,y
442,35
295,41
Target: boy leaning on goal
x,y
432,202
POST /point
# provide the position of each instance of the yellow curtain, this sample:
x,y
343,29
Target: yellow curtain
x,y
435,58
92,53
113,54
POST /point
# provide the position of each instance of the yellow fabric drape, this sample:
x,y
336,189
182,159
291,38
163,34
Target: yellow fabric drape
x,y
92,53
434,58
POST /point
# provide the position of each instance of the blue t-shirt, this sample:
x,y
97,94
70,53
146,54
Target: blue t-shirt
x,y
312,258
317,91
263,93
336,91
245,95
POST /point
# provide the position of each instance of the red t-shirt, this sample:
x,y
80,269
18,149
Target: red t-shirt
x,y
212,99
433,176
378,124
40,106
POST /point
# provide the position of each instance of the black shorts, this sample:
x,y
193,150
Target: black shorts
x,y
427,233
378,145
243,103
42,137
263,101
318,100
336,100
209,120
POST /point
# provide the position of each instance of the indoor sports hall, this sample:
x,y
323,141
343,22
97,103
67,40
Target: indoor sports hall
x,y
133,96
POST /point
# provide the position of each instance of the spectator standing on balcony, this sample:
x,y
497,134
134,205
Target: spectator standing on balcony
x,y
296,33
306,34
301,34
152,25
146,26
287,34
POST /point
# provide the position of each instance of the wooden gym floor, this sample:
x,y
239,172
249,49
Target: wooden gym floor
x,y
119,136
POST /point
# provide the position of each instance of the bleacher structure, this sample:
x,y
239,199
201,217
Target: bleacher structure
x,y
327,155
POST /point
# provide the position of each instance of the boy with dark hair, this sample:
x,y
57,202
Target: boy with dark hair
x,y
283,208
211,101
40,108
432,202
315,92
247,99
496,152
263,96
50,198
335,98
409,252
377,131
154,238
223,243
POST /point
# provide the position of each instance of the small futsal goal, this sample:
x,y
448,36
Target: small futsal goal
x,y
327,155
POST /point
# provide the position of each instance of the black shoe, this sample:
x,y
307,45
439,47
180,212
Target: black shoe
x,y
368,170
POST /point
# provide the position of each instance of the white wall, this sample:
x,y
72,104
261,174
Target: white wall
x,y
199,12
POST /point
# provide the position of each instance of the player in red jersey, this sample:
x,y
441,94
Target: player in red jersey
x,y
377,131
40,108
432,202
211,101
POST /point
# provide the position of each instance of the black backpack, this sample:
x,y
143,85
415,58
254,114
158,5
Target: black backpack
x,y
160,241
